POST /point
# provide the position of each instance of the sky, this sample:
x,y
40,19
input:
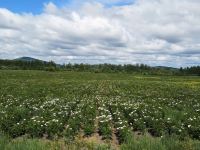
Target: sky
x,y
153,32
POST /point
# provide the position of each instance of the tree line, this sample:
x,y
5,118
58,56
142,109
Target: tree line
x,y
27,65
194,70
97,68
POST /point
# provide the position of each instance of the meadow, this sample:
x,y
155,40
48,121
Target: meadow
x,y
82,110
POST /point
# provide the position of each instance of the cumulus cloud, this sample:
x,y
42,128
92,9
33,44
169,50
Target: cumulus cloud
x,y
155,32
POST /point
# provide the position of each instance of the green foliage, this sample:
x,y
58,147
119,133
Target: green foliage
x,y
27,65
58,105
194,70
142,69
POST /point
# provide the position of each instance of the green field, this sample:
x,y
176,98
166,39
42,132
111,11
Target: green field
x,y
69,110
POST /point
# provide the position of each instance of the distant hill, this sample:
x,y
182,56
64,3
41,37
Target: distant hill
x,y
27,63
28,59
166,68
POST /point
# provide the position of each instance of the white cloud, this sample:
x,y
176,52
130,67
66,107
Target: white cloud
x,y
156,32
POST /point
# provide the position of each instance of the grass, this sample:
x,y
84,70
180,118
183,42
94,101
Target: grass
x,y
22,143
145,142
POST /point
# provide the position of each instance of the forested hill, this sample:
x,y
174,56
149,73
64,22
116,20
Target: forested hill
x,y
27,59
28,63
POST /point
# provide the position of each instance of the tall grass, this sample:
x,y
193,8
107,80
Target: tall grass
x,y
144,142
40,144
147,142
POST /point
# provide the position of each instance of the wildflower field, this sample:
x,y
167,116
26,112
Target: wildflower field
x,y
123,111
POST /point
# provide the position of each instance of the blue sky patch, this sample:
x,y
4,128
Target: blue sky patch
x,y
36,6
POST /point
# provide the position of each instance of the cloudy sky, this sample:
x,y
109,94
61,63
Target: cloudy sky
x,y
154,32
